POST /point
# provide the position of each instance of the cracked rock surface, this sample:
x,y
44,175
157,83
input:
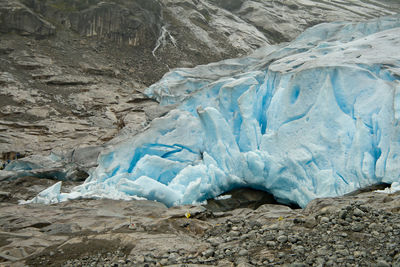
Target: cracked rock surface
x,y
361,229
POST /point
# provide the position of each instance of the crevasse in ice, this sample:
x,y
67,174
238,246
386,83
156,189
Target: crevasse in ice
x,y
313,118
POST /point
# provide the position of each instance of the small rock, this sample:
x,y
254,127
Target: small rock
x,y
140,259
225,263
234,233
208,253
388,229
382,263
342,214
357,212
164,262
320,261
343,252
282,239
357,227
292,238
268,237
273,227
215,241
243,253
270,243
343,235
299,250
310,222
359,254
228,252
375,233
324,219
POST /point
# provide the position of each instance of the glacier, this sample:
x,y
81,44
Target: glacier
x,y
316,117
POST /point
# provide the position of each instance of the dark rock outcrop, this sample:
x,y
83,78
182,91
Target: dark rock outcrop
x,y
16,17
132,24
240,198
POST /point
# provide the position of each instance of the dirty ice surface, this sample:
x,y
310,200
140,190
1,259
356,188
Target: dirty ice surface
x,y
317,117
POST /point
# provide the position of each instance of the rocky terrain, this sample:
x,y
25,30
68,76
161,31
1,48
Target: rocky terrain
x,y
72,76
245,230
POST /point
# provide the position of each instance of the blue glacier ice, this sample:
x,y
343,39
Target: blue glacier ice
x,y
316,117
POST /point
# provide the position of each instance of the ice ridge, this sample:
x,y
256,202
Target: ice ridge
x,y
317,117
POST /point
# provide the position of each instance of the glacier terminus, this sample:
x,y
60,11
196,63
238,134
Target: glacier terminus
x,y
316,117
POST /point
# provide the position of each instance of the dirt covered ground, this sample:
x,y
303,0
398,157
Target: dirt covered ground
x,y
362,229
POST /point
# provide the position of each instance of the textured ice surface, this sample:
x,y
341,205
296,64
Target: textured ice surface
x,y
317,117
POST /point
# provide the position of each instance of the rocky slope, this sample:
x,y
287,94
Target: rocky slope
x,y
72,75
72,72
362,229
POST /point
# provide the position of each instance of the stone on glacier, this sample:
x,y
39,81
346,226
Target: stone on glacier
x,y
317,117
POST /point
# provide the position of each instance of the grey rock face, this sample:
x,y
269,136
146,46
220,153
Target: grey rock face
x,y
127,24
282,21
16,17
46,104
